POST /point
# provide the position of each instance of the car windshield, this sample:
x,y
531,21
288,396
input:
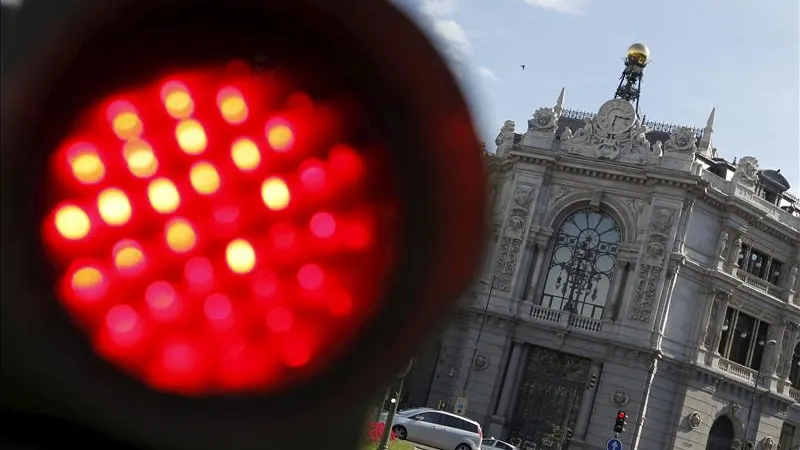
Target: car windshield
x,y
410,412
488,442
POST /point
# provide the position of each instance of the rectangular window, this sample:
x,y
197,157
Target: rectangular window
x,y
758,263
743,339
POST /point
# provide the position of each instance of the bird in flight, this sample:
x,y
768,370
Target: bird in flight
x,y
523,66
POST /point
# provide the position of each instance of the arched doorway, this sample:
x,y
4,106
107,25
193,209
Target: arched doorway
x,y
720,437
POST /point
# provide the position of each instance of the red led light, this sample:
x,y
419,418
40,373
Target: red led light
x,y
202,242
621,415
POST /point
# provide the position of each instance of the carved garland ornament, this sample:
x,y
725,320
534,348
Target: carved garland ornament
x,y
511,243
646,286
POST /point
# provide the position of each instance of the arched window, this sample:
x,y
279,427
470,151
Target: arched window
x,y
720,437
582,265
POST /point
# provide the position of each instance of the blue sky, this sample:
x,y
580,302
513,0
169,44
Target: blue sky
x,y
740,56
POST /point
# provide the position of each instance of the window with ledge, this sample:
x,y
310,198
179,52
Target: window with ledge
x,y
582,263
743,339
758,263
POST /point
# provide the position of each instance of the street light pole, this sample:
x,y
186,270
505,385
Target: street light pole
x,y
755,390
387,427
478,338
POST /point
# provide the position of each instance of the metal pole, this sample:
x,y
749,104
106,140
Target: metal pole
x,y
755,388
478,338
387,428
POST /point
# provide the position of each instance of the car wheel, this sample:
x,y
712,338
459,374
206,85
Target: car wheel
x,y
463,447
401,433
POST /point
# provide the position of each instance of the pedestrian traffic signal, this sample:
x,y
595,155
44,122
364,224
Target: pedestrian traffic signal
x,y
216,227
619,424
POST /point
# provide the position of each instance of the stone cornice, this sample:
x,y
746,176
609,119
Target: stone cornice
x,y
654,176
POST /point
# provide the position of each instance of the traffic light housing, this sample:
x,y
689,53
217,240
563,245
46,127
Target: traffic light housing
x,y
621,420
368,49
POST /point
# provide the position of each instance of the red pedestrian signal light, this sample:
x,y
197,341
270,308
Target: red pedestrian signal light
x,y
215,226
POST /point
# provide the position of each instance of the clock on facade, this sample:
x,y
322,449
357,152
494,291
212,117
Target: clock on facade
x,y
616,116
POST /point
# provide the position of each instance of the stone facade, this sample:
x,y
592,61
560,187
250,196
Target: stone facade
x,y
629,267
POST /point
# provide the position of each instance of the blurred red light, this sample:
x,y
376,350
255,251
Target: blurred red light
x,y
205,245
621,415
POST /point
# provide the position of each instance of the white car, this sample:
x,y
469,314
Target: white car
x,y
438,429
496,444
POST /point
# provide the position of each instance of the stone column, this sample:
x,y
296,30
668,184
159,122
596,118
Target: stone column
x,y
793,329
535,286
663,301
617,282
587,402
771,356
710,313
497,421
716,332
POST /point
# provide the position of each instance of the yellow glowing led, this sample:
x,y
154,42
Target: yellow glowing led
x,y
72,222
87,167
180,236
128,256
127,125
275,194
280,137
179,103
232,105
114,207
204,178
245,154
191,137
240,256
86,277
163,195
140,158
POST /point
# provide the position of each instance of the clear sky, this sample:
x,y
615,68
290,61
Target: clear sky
x,y
740,56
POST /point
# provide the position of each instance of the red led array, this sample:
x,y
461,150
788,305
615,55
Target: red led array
x,y
216,232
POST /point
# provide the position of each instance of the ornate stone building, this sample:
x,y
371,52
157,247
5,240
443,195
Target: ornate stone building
x,y
630,267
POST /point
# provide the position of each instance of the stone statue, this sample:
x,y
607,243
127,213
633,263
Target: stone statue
x,y
658,148
792,278
566,134
722,245
747,168
737,248
506,133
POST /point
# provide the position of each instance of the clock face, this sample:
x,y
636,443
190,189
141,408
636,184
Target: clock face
x,y
616,116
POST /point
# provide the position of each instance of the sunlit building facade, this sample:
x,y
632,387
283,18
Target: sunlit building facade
x,y
631,267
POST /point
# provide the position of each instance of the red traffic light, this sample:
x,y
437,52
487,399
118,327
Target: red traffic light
x,y
214,231
139,129
621,415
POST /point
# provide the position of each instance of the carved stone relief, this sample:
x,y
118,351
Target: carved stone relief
x,y
620,397
681,140
645,293
544,119
653,260
768,443
614,133
510,248
694,420
481,362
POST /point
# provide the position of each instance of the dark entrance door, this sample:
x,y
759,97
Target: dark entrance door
x,y
720,437
548,399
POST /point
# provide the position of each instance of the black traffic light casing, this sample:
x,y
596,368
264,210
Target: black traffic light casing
x,y
81,50
620,422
